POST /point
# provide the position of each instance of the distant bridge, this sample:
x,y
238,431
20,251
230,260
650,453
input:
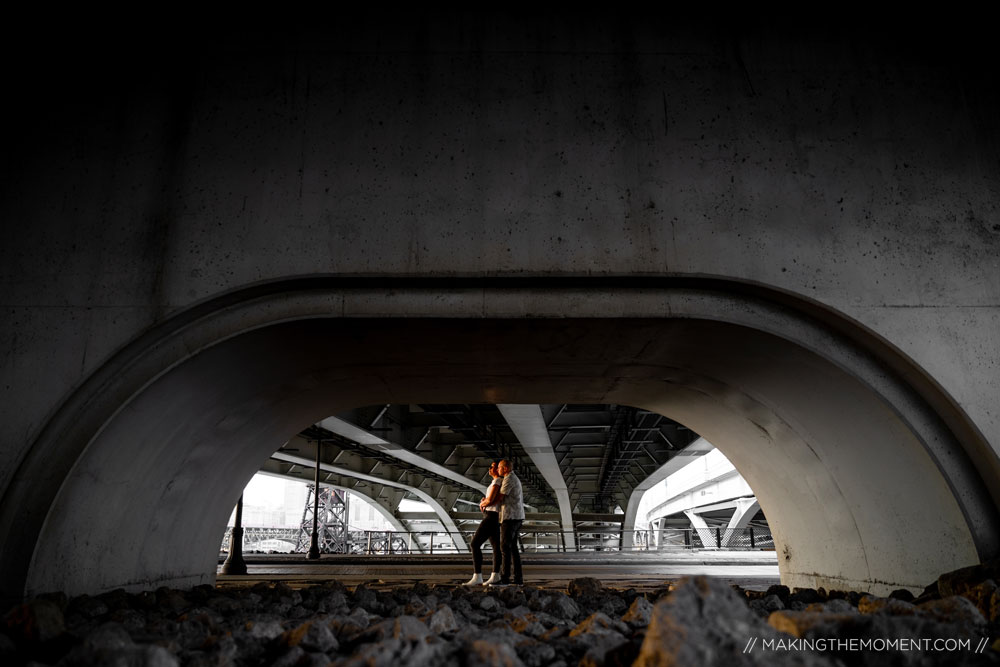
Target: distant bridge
x,y
254,536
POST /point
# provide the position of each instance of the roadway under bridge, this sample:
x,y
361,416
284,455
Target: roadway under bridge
x,y
224,246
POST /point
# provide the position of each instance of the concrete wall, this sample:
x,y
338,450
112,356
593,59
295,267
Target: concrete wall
x,y
144,178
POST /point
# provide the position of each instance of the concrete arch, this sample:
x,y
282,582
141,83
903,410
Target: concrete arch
x,y
870,475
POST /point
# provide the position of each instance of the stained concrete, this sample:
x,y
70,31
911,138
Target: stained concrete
x,y
150,190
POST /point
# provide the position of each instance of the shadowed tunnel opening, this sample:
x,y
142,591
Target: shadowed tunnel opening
x,y
862,485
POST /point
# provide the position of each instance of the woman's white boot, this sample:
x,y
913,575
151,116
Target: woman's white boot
x,y
494,578
476,579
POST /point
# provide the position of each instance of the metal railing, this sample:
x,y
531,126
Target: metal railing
x,y
545,540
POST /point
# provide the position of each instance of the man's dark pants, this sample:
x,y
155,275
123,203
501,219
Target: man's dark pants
x,y
511,554
489,529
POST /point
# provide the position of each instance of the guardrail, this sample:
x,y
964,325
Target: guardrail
x,y
550,540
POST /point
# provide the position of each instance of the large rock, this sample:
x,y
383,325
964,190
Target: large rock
x,y
264,627
779,590
366,598
223,650
127,656
401,627
563,607
313,636
538,600
535,653
396,653
765,605
290,657
224,604
704,622
982,595
37,620
130,619
482,653
601,624
584,586
955,610
959,581
870,604
835,606
801,623
603,647
334,602
524,621
442,620
806,596
108,636
88,607
639,613
611,604
902,594
171,601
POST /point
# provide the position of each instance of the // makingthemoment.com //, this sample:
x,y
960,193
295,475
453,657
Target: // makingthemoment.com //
x,y
852,644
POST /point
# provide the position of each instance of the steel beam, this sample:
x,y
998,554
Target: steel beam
x,y
396,524
439,510
368,439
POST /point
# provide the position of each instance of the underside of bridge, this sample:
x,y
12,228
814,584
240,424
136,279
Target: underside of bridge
x,y
777,402
581,466
417,243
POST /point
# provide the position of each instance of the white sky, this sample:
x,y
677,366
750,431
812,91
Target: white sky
x,y
273,493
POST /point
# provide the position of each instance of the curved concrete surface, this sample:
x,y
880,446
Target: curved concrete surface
x,y
863,485
159,207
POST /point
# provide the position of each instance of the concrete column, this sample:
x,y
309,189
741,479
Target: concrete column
x,y
706,534
234,563
531,431
746,508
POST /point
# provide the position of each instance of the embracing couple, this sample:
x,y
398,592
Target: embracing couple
x,y
503,514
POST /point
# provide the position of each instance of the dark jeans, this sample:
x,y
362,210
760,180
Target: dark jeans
x,y
489,529
508,547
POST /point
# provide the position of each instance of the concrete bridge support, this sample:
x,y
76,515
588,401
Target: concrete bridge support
x,y
528,425
705,533
745,511
697,448
792,247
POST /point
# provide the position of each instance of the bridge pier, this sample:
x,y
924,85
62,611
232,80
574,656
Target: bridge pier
x,y
234,563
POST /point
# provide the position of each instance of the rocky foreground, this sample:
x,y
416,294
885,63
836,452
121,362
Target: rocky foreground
x,y
700,621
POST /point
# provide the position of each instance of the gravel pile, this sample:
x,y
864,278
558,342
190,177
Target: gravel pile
x,y
701,621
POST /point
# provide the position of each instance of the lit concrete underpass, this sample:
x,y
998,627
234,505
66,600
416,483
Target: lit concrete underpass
x,y
785,243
